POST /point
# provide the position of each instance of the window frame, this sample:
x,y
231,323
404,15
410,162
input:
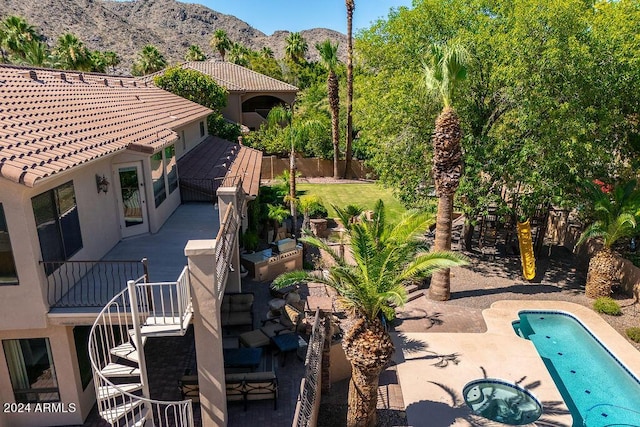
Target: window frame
x,y
5,229
159,184
30,394
68,244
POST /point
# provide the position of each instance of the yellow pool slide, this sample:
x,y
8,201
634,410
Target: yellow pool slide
x,y
525,242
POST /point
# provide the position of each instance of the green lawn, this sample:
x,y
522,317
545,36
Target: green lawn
x,y
363,195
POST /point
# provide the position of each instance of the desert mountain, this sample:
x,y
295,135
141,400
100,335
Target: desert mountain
x,y
126,26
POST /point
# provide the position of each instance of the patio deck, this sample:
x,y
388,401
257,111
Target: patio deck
x,y
164,251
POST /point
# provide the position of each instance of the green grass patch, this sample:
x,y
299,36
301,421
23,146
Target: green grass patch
x,y
608,306
363,195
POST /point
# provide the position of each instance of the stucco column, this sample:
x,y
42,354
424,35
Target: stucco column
x,y
207,331
226,197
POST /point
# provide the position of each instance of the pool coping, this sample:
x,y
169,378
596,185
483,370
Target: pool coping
x,y
433,392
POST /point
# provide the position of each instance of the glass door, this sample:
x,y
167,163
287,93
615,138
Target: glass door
x,y
131,200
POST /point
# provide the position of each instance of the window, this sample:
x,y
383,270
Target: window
x,y
8,274
184,141
157,176
81,338
201,128
33,376
171,168
58,224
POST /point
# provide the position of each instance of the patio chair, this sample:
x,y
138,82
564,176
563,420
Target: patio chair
x,y
290,321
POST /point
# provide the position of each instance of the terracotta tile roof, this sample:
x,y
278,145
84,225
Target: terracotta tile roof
x,y
216,158
53,120
236,78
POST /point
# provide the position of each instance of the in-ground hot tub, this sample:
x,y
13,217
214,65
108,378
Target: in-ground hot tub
x,y
501,401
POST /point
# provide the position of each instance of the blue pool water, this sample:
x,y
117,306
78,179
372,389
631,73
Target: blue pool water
x,y
597,388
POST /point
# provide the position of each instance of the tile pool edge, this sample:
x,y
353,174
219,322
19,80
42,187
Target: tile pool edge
x,y
605,334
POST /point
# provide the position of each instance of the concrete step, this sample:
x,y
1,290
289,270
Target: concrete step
x,y
126,351
117,370
109,391
133,414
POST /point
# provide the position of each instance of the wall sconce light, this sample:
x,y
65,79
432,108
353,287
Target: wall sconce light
x,y
102,184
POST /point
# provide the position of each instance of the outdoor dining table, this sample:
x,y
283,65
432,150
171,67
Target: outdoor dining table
x,y
242,357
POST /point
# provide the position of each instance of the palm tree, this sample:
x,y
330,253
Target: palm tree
x,y
111,59
616,214
36,53
15,35
386,258
194,53
296,47
295,133
239,54
220,42
446,68
267,52
149,61
307,204
277,214
351,6
71,54
329,55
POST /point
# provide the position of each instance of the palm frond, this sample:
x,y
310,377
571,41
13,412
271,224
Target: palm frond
x,y
426,263
293,277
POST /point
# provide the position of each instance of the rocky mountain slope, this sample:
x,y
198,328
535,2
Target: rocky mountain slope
x,y
126,26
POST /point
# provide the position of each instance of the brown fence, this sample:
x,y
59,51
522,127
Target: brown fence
x,y
273,166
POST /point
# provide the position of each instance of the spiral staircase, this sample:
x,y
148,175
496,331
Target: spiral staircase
x,y
116,351
142,310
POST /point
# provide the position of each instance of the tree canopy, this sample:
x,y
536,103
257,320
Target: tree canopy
x,y
548,99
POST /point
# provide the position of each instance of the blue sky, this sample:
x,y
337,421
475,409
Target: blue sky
x,y
295,15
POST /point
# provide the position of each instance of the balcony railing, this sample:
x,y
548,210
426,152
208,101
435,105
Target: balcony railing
x,y
308,405
89,283
199,190
224,248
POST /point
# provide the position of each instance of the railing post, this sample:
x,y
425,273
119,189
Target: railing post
x,y
142,364
207,329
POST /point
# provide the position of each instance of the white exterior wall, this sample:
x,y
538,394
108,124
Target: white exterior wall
x,y
24,307
192,136
67,375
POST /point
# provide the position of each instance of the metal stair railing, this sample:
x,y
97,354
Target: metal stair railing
x,y
117,404
225,245
165,303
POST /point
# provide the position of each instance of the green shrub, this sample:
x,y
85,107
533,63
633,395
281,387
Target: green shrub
x,y
634,334
608,306
250,240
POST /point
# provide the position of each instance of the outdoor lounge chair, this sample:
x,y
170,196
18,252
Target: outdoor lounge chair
x,y
288,322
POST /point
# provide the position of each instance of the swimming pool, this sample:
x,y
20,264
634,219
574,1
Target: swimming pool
x,y
597,388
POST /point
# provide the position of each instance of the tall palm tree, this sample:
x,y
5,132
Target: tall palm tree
x,y
15,35
351,6
71,53
386,258
616,215
296,47
329,56
446,67
220,42
149,61
295,132
194,53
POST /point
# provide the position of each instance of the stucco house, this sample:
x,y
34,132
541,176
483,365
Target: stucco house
x,y
89,169
251,95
